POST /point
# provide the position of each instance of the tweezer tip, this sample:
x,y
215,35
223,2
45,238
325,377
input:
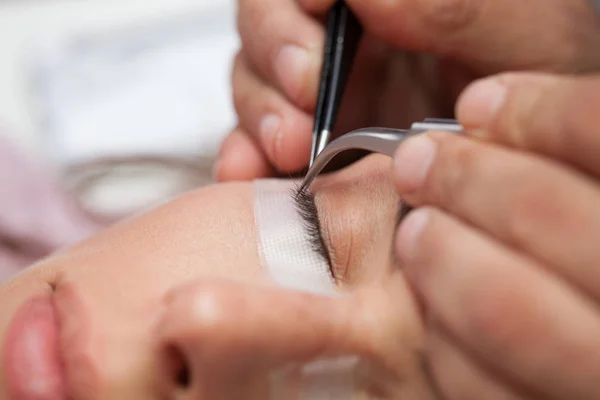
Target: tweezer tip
x,y
303,187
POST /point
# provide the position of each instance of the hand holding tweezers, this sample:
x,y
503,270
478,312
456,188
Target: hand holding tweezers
x,y
378,140
341,43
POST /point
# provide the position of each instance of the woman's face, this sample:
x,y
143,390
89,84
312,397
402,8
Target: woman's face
x,y
176,304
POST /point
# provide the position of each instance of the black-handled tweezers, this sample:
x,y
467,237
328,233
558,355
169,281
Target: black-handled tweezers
x,y
341,43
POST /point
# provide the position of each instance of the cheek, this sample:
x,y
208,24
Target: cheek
x,y
122,275
203,235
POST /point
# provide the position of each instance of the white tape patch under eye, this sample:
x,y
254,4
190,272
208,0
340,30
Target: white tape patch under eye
x,y
285,246
332,379
287,252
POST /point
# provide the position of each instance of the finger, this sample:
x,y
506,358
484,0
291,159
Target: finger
x,y
281,130
511,314
317,6
533,204
285,45
475,32
240,159
458,377
555,116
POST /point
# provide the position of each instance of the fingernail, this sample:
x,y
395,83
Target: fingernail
x,y
269,127
409,234
412,163
480,103
291,66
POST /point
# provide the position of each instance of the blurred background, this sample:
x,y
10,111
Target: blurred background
x,y
111,105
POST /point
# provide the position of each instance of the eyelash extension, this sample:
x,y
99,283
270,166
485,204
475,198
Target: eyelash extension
x,y
307,209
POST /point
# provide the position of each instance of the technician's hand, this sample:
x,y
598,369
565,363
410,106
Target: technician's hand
x,y
503,247
276,73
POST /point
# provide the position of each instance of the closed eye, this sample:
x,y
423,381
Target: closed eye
x,y
307,209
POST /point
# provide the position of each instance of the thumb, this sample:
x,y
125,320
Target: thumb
x,y
555,116
485,34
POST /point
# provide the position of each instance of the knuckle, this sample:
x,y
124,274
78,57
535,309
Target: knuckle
x,y
449,16
381,17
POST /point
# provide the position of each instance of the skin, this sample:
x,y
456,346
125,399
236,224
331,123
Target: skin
x,y
498,252
184,282
501,248
416,58
516,315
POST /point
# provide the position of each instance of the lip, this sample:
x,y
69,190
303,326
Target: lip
x,y
32,358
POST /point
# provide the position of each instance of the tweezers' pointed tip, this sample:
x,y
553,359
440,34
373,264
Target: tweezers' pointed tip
x,y
303,187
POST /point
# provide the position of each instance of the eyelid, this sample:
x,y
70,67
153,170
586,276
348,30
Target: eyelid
x,y
284,248
308,211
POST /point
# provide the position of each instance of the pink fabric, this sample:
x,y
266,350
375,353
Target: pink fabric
x,y
37,217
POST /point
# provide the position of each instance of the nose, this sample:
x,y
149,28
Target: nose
x,y
209,346
225,340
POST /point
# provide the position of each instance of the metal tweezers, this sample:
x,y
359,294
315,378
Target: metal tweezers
x,y
378,140
341,43
343,36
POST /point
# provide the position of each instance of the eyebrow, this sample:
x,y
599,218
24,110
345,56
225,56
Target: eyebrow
x,y
307,209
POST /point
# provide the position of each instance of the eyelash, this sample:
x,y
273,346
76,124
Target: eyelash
x,y
305,205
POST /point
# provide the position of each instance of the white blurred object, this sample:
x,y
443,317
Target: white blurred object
x,y
22,25
158,88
